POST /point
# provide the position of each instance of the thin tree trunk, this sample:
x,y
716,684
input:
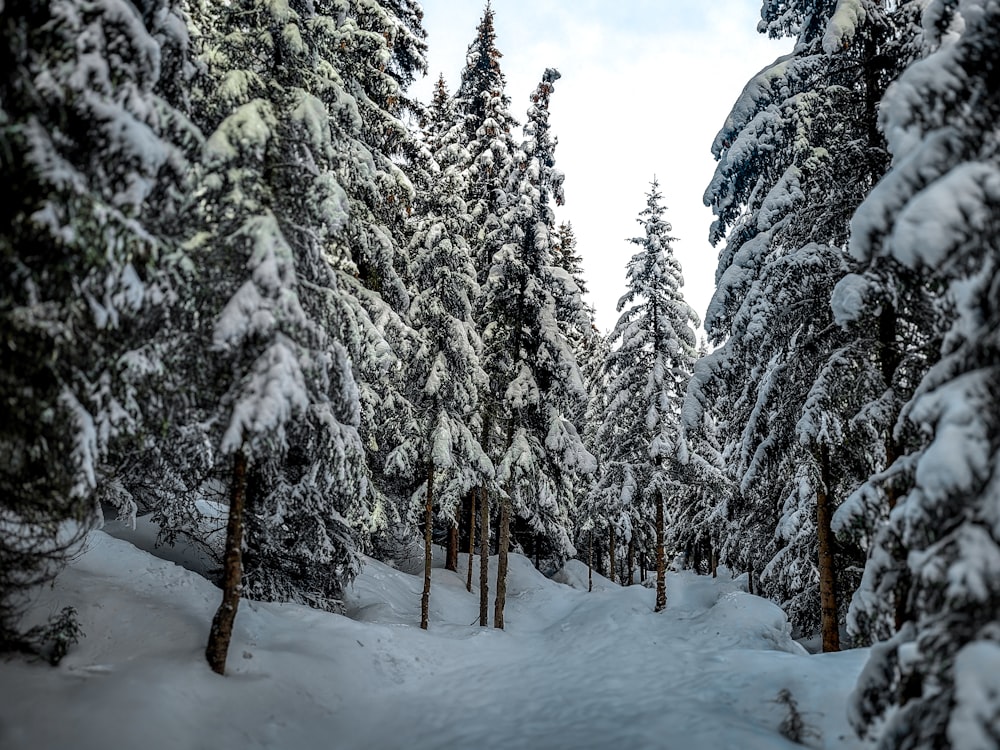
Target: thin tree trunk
x,y
887,324
536,546
611,552
484,558
642,568
472,538
827,570
590,560
661,558
631,560
451,559
222,624
750,579
694,558
425,597
504,534
888,353
713,559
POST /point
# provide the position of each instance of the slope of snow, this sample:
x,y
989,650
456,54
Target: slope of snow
x,y
572,670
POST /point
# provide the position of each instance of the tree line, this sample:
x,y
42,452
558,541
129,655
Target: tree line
x,y
249,277
246,274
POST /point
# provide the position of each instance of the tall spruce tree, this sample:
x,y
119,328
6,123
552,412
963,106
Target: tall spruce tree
x,y
484,109
288,405
532,369
92,153
377,49
932,576
446,368
652,358
799,152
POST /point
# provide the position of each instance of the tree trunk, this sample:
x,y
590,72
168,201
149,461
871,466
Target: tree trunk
x,y
484,558
451,559
827,571
472,539
887,324
425,597
611,552
890,359
661,558
642,568
222,624
535,545
713,559
631,561
590,561
504,534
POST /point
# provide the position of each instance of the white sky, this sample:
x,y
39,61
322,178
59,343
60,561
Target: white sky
x,y
645,87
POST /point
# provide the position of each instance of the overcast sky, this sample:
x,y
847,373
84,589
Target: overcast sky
x,y
646,85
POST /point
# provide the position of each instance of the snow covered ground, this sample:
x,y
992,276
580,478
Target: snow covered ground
x,y
572,670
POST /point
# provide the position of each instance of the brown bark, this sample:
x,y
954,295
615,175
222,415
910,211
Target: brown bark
x,y
504,534
451,559
590,561
890,359
425,597
611,552
887,323
631,561
472,539
661,558
827,570
222,624
484,558
696,558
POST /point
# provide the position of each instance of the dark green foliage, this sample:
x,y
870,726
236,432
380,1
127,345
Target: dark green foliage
x,y
91,165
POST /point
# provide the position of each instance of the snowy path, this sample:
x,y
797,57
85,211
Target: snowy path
x,y
573,669
600,670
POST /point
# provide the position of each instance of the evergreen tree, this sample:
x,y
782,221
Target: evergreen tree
x,y
532,369
592,516
285,402
377,49
485,111
799,152
576,317
92,153
653,355
696,517
933,566
447,369
483,108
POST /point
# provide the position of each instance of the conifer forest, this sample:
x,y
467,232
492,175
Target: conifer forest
x,y
297,366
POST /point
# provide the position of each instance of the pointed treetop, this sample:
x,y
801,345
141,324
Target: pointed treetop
x,y
482,62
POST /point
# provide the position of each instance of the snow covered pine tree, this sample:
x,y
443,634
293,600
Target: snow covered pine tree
x,y
935,567
446,371
484,109
531,366
288,409
799,151
89,167
652,357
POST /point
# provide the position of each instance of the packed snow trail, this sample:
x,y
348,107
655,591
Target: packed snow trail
x,y
572,670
